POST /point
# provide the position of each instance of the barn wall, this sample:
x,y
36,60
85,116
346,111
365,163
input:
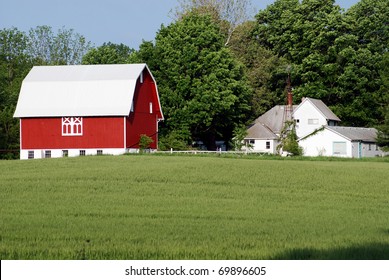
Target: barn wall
x,y
143,120
98,132
58,153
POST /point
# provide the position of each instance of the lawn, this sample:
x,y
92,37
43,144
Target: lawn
x,y
193,207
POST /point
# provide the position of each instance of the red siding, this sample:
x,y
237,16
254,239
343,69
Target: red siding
x,y
98,132
141,121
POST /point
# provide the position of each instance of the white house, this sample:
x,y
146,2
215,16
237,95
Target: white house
x,y
263,135
317,129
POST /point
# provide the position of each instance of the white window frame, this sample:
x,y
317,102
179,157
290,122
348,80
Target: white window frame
x,y
47,153
31,154
72,126
151,107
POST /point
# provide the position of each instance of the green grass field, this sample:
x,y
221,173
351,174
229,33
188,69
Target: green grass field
x,y
191,207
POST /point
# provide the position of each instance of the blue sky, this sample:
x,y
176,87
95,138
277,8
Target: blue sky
x,y
117,21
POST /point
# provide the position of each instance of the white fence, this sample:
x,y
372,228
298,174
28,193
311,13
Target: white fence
x,y
195,152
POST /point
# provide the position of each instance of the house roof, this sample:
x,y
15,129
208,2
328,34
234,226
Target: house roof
x,y
79,90
322,108
260,131
355,133
274,118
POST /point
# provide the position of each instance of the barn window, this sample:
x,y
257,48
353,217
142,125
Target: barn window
x,y
72,126
99,152
47,154
65,153
30,154
151,107
141,78
267,145
82,152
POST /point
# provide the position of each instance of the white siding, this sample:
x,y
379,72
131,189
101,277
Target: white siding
x,y
308,119
264,146
322,144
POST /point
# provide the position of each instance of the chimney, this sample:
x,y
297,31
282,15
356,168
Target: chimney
x,y
289,92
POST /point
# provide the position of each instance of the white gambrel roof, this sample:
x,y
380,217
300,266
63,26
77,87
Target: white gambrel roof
x,y
79,90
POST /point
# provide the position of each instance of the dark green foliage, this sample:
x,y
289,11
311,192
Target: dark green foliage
x,y
144,142
383,133
109,53
203,89
288,140
335,56
237,142
14,65
174,140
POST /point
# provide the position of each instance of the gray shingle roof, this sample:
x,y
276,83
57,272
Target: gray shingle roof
x,y
356,133
274,118
260,131
328,114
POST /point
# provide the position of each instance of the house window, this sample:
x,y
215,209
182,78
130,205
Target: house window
x,y
151,107
376,147
30,154
313,121
99,152
47,154
141,78
72,126
267,145
65,153
369,147
82,152
339,148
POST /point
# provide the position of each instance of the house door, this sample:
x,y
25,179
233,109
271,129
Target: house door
x,y
359,149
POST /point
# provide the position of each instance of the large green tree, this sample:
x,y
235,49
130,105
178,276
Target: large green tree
x,y
109,53
203,89
335,56
14,65
266,71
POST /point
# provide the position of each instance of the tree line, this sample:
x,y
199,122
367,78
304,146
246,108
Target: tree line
x,y
217,69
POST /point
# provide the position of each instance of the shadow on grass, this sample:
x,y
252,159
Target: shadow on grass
x,y
372,251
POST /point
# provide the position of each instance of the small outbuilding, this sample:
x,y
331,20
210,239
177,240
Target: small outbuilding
x,y
87,110
341,141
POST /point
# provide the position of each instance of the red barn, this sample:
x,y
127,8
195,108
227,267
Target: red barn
x,y
87,110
